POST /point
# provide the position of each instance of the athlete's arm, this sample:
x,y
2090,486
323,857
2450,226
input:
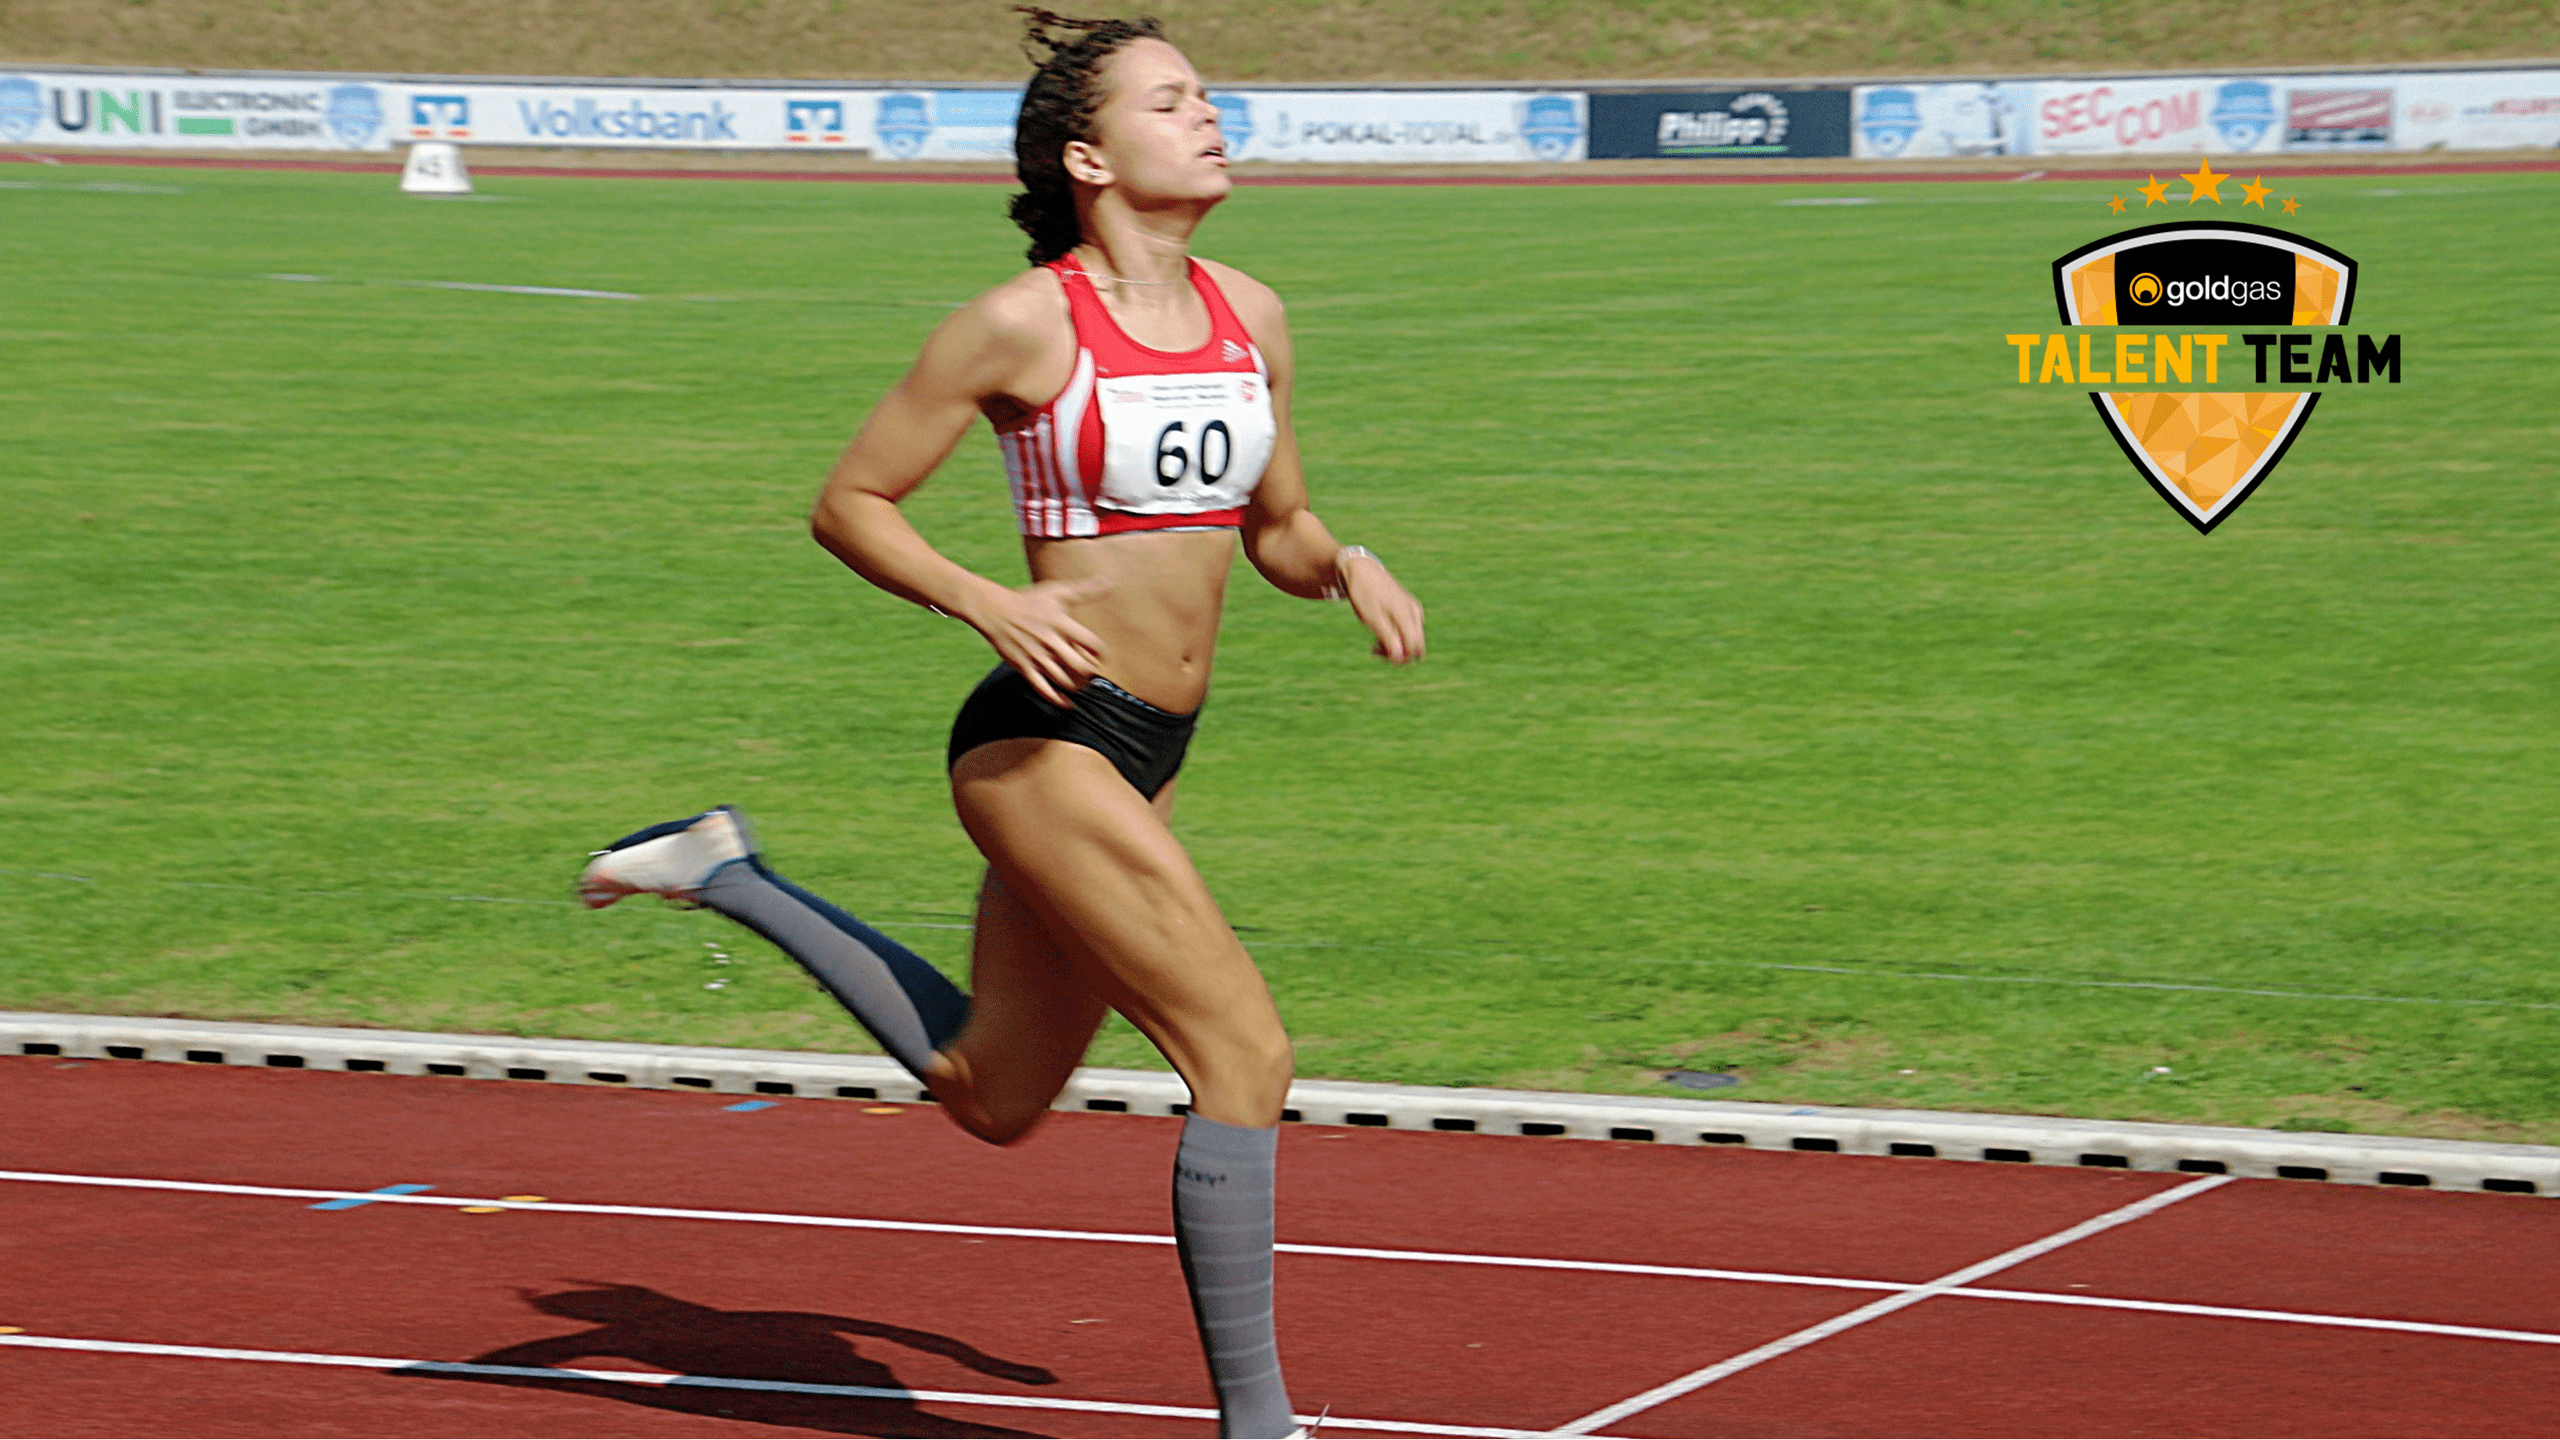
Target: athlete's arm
x,y
1282,536
979,357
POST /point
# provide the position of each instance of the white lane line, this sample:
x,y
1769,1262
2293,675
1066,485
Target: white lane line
x,y
928,1227
518,289
2282,1317
103,187
704,1382
1345,1252
653,1212
1878,1309
564,291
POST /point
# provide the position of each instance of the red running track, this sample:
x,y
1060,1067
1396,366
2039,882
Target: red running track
x,y
2369,1312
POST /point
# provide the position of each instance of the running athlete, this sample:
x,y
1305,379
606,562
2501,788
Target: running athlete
x,y
1141,398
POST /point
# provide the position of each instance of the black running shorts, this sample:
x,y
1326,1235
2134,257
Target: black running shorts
x,y
1143,743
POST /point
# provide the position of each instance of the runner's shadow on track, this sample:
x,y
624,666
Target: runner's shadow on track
x,y
701,1343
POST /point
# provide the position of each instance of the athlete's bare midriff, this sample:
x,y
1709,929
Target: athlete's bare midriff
x,y
1158,621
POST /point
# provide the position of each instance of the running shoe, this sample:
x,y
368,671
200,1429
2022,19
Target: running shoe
x,y
673,859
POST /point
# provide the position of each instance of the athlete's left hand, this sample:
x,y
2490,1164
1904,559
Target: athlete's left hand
x,y
1387,608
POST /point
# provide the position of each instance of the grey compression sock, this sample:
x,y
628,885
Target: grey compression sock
x,y
905,1003
1222,1196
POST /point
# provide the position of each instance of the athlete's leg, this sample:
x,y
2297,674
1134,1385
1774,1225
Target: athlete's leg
x,y
711,860
906,1004
1031,1018
1101,869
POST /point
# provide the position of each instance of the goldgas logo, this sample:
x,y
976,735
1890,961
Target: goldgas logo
x,y
2195,340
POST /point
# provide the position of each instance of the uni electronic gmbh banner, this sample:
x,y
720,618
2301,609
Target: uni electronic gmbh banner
x,y
193,111
2206,115
1720,124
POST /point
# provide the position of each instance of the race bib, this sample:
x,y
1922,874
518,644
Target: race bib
x,y
1183,444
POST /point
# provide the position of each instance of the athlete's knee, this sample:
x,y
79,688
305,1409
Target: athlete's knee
x,y
1000,1127
1251,1071
1275,1059
998,1119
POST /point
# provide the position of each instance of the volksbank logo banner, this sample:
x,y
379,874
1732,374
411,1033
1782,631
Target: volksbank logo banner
x,y
592,117
889,124
153,111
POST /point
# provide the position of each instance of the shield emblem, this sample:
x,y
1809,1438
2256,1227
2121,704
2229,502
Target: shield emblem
x,y
2205,451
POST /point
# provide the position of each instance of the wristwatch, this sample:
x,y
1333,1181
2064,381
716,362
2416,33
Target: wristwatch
x,y
1339,590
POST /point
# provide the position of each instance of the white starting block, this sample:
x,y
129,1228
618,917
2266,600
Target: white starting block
x,y
434,168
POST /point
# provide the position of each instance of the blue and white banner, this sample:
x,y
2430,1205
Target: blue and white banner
x,y
192,111
1404,127
1896,122
613,117
889,124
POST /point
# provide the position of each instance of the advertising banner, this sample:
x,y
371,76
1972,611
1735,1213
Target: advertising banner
x,y
935,124
890,124
1719,124
2479,110
2185,116
1411,127
2149,115
2209,115
1937,121
192,112
599,117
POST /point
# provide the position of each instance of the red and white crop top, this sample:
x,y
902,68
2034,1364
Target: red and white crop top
x,y
1143,439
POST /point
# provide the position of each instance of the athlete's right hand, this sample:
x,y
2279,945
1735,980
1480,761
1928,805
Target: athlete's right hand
x,y
1031,629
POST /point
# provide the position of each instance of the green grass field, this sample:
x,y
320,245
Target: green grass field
x,y
1805,698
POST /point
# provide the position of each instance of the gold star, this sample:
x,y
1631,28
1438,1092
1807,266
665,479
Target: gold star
x,y
2115,203
2291,204
2257,190
2207,184
2155,193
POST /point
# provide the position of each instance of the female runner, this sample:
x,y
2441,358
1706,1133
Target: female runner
x,y
1141,398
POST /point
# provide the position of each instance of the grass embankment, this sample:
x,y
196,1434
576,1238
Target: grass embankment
x,y
1273,40
1806,698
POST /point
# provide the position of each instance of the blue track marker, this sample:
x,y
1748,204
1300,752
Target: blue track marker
x,y
352,1201
751,1105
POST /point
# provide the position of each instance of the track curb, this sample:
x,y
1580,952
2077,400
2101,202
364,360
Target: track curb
x,y
2028,1139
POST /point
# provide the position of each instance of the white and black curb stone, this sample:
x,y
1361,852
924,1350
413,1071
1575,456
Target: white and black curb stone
x,y
2029,1139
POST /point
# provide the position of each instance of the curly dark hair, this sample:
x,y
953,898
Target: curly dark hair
x,y
1058,107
